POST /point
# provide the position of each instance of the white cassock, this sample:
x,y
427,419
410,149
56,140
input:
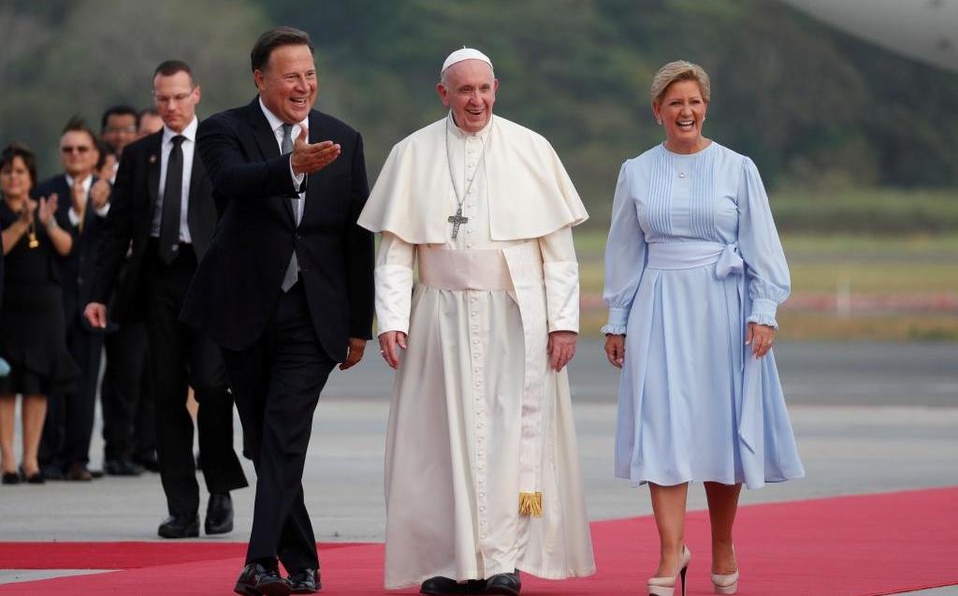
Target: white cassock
x,y
477,417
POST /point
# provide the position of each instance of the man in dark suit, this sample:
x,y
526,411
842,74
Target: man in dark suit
x,y
162,204
286,287
68,429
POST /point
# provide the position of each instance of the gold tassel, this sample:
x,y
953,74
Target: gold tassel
x,y
530,504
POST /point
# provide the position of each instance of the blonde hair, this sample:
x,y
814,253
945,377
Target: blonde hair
x,y
680,70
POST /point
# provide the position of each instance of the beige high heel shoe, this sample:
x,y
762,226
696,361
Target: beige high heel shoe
x,y
665,586
726,583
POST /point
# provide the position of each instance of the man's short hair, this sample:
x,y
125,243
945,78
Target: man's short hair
x,y
168,68
274,38
77,124
121,110
146,112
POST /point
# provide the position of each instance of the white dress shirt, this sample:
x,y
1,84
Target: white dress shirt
x,y
189,147
277,127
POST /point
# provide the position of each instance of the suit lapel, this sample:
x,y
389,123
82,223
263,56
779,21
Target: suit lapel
x,y
154,159
266,140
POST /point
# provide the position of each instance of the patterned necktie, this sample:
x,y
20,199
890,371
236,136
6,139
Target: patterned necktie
x,y
172,197
292,271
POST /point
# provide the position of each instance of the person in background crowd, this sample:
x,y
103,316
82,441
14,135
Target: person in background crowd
x,y
32,335
148,122
65,447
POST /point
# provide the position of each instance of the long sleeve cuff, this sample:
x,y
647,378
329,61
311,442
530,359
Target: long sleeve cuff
x,y
618,321
393,297
763,312
562,295
297,178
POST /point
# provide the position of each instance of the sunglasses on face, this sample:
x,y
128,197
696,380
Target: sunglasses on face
x,y
72,149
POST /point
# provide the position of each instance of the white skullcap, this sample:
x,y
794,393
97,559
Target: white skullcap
x,y
464,54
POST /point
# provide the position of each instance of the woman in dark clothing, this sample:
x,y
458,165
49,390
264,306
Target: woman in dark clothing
x,y
32,337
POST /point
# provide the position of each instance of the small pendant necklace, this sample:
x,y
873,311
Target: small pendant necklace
x,y
458,219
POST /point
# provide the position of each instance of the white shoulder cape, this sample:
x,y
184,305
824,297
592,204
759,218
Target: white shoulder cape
x,y
530,193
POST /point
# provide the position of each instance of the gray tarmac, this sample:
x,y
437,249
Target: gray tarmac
x,y
869,418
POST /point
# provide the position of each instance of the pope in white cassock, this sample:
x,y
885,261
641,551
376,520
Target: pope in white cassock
x,y
482,474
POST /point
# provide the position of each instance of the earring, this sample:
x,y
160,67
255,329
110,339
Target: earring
x,y
659,121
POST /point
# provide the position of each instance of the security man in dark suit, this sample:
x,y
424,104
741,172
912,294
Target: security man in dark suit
x,y
286,287
162,204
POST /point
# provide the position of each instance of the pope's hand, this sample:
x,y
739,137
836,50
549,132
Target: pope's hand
x,y
356,348
390,342
308,158
615,349
561,348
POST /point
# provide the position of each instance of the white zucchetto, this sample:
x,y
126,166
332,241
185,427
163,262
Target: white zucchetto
x,y
464,54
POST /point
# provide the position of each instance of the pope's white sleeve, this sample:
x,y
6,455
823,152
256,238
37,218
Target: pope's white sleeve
x,y
561,276
393,275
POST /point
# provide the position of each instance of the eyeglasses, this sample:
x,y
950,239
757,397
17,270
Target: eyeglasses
x,y
130,129
72,149
179,97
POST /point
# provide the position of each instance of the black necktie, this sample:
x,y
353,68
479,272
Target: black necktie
x,y
172,196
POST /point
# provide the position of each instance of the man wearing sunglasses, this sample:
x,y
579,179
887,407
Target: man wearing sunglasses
x,y
65,446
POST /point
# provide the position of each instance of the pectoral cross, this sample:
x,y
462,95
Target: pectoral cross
x,y
456,221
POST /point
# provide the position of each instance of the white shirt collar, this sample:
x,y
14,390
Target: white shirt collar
x,y
275,122
461,134
87,182
189,132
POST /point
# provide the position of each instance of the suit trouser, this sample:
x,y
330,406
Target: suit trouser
x,y
68,428
277,382
123,388
179,357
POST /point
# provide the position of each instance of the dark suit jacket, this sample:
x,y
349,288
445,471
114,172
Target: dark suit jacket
x,y
131,215
76,269
236,287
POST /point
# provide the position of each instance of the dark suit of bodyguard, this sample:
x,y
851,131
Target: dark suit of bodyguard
x,y
286,287
162,210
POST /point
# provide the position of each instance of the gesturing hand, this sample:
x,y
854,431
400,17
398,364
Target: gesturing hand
x,y
760,337
561,348
26,211
615,349
308,158
356,348
390,342
47,208
100,193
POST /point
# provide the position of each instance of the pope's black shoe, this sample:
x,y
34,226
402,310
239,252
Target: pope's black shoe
x,y
504,583
180,526
305,581
257,580
445,585
219,515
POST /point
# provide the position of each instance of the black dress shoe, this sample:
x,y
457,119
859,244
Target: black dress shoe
x,y
445,585
121,466
219,515
51,472
305,581
10,478
148,462
257,580
504,583
180,526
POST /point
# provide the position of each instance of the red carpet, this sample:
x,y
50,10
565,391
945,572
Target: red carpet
x,y
846,546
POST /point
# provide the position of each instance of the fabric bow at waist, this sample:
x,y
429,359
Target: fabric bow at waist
x,y
695,254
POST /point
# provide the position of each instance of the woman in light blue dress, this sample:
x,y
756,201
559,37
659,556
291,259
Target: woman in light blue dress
x,y
694,273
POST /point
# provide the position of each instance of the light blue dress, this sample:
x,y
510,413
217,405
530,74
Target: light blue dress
x,y
692,256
